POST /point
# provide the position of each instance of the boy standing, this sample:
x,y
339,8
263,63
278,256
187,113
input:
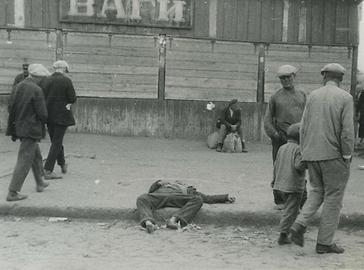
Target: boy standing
x,y
289,179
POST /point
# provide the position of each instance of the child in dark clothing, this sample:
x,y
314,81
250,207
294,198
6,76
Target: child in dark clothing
x,y
289,179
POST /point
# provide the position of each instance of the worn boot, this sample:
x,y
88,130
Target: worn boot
x,y
48,175
173,224
150,226
15,196
243,146
297,232
42,186
321,249
283,239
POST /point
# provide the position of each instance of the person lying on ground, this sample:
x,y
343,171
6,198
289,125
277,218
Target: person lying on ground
x,y
176,194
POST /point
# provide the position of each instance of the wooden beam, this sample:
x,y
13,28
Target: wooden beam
x,y
212,18
285,21
19,18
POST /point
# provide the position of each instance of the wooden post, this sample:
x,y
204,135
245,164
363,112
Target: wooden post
x,y
162,66
354,69
59,44
260,87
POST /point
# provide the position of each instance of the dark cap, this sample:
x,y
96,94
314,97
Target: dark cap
x,y
293,131
233,101
25,66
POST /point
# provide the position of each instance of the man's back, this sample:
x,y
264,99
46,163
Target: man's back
x,y
327,130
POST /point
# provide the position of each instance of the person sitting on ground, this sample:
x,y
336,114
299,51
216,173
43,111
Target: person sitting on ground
x,y
230,121
289,179
174,194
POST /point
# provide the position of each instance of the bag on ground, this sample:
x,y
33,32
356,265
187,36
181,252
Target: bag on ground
x,y
212,140
232,143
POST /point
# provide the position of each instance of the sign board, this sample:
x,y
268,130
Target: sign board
x,y
146,13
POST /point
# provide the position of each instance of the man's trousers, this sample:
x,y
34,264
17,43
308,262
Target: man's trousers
x,y
223,131
56,151
29,156
328,180
189,206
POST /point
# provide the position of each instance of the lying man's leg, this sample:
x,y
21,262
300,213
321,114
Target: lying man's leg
x,y
189,204
146,204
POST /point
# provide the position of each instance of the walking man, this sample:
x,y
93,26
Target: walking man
x,y
22,75
27,115
60,95
327,142
285,108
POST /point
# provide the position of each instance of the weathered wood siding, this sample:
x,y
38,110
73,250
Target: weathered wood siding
x,y
147,117
112,65
202,70
325,22
20,47
309,63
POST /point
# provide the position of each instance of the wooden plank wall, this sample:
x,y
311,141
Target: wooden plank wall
x,y
325,22
204,70
309,63
23,47
112,66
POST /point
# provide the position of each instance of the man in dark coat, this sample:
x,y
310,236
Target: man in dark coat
x,y
22,75
174,194
60,95
230,121
27,115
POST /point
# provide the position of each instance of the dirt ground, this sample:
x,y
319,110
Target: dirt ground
x,y
37,244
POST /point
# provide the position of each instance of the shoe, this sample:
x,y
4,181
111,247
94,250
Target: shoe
x,y
244,150
283,239
297,232
150,226
172,224
219,147
64,168
41,187
15,196
48,175
321,249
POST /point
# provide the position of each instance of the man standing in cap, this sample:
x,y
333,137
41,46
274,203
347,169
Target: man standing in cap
x,y
230,120
21,76
285,108
60,95
327,142
27,115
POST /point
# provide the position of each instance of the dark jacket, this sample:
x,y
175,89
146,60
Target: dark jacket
x,y
58,92
20,77
227,119
180,188
27,111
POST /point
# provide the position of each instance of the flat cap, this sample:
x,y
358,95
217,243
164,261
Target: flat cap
x,y
60,64
333,67
38,70
233,101
286,70
293,131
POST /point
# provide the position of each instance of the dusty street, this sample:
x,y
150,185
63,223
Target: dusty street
x,y
38,244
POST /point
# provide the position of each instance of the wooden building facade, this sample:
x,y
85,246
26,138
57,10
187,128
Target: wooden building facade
x,y
173,56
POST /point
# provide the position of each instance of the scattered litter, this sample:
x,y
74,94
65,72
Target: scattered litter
x,y
58,219
238,230
189,228
361,167
76,155
210,106
97,181
86,256
107,225
12,235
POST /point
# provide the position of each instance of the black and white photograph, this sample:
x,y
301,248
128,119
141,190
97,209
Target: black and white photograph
x,y
181,134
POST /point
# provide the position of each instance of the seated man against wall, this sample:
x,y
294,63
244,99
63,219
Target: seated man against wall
x,y
176,194
230,121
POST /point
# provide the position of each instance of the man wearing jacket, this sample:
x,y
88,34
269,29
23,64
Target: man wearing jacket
x,y
327,142
60,95
174,194
230,121
27,115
